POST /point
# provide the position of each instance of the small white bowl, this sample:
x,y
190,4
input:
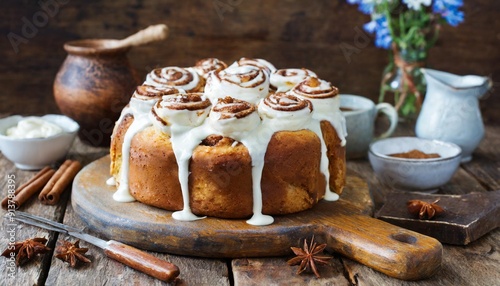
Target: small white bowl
x,y
36,153
420,175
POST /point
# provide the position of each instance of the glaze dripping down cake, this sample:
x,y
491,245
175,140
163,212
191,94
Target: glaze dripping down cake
x,y
245,141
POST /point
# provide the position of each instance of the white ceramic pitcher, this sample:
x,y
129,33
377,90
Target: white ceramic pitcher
x,y
450,111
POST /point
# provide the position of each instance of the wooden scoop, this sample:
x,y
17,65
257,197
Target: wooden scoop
x,y
89,46
152,33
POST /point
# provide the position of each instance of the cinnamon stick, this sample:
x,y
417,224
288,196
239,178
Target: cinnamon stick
x,y
23,186
54,179
32,188
55,187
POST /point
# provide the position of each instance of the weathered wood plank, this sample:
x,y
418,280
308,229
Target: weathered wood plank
x,y
276,271
105,271
33,272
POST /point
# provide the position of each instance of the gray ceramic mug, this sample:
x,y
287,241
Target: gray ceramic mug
x,y
360,114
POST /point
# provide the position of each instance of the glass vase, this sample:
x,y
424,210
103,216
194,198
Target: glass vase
x,y
403,82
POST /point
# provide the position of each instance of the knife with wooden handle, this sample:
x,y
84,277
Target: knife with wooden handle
x,y
128,255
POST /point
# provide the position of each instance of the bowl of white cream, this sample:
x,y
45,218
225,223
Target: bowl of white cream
x,y
33,142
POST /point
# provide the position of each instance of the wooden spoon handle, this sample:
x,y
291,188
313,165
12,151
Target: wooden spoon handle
x,y
141,260
150,34
390,249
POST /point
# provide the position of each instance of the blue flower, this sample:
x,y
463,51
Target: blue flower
x,y
370,27
457,3
453,17
365,6
448,9
380,27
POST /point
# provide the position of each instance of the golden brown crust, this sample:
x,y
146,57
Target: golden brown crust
x,y
220,181
115,150
221,174
153,176
291,178
336,155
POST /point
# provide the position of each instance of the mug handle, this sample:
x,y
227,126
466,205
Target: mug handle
x,y
392,114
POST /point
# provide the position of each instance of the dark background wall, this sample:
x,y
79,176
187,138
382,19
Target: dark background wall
x,y
287,33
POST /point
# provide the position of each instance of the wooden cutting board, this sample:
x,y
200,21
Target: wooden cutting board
x,y
343,225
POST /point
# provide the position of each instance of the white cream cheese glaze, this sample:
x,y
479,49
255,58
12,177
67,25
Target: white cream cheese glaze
x,y
188,123
239,120
140,122
279,112
183,114
111,181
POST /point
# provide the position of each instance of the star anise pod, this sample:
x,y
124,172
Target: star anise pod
x,y
71,253
424,210
27,249
308,256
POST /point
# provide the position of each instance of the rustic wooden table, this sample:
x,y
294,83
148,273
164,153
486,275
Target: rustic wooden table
x,y
475,264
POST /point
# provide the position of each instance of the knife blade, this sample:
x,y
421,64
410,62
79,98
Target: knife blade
x,y
126,254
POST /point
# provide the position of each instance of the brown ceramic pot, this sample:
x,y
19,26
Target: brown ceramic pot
x,y
92,86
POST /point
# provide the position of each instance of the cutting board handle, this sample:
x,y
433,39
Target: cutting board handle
x,y
390,249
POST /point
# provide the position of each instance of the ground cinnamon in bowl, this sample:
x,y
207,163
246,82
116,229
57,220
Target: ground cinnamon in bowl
x,y
415,154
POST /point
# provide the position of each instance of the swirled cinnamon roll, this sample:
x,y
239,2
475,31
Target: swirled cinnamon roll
x,y
181,78
326,103
282,111
246,83
323,96
189,110
259,63
286,79
205,66
315,88
145,96
148,92
233,117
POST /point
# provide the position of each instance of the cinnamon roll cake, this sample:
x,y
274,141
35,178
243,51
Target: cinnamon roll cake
x,y
249,142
